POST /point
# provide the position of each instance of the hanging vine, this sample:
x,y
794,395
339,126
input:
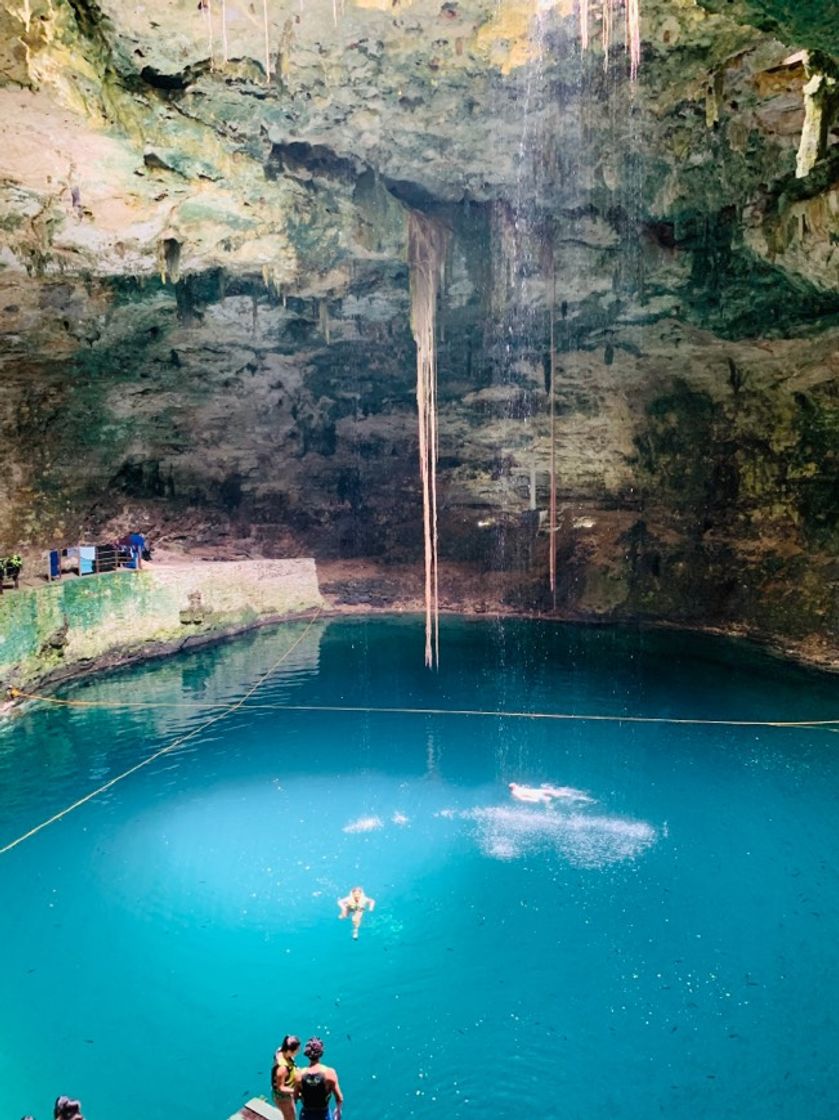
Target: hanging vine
x,y
208,11
584,20
267,42
552,405
427,243
633,36
606,30
632,29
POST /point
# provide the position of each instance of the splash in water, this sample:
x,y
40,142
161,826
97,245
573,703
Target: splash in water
x,y
582,840
545,794
364,824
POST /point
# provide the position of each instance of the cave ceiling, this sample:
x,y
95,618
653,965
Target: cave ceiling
x,y
287,141
204,278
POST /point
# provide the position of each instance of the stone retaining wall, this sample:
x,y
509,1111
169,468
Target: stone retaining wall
x,y
57,631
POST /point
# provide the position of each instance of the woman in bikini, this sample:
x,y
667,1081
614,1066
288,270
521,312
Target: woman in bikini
x,y
284,1076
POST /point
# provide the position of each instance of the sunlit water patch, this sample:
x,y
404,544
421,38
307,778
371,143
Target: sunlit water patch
x,y
652,935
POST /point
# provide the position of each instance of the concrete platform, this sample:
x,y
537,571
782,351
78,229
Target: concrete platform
x,y
75,626
257,1109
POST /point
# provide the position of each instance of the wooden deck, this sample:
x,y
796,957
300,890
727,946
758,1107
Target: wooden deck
x,y
257,1109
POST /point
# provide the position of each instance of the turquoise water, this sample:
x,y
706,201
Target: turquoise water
x,y
666,950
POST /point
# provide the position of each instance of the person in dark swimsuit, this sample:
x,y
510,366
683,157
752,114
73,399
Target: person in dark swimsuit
x,y
67,1109
284,1076
316,1085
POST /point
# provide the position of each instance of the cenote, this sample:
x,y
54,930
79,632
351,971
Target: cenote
x,y
322,322
665,949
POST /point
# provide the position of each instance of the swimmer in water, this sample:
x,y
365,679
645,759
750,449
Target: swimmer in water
x,y
546,794
355,903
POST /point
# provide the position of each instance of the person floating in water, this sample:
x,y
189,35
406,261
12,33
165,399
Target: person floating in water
x,y
355,903
316,1085
546,794
284,1076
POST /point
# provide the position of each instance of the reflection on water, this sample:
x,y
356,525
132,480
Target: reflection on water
x,y
177,697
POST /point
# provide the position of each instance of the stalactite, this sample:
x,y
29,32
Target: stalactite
x,y
208,8
632,30
427,242
821,101
633,36
606,31
169,260
267,42
224,31
584,14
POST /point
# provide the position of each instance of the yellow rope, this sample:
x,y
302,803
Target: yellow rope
x,y
484,712
192,705
547,715
824,724
164,750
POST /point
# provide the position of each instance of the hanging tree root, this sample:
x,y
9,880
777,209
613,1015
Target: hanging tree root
x,y
427,243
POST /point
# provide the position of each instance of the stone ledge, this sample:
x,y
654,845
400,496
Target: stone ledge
x,y
66,628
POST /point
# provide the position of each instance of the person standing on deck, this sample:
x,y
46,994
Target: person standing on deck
x,y
316,1085
284,1076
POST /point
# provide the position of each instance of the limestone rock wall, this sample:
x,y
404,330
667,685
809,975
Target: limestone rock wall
x,y
204,307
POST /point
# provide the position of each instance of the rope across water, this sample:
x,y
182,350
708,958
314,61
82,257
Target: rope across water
x,y
181,739
831,725
490,713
